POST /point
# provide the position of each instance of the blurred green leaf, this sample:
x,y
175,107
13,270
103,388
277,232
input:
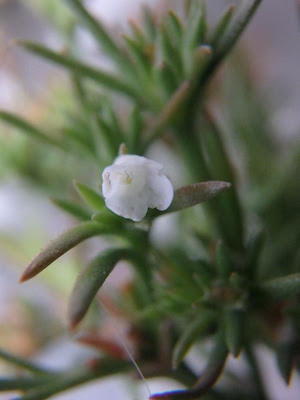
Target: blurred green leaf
x,y
170,52
237,26
253,252
100,34
64,381
140,61
175,27
28,128
22,383
107,80
282,287
234,330
166,79
195,32
22,363
285,357
134,130
72,208
223,261
196,193
212,372
89,196
61,245
89,282
227,208
222,26
149,23
202,325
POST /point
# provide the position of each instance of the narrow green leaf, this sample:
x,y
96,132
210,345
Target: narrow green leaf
x,y
108,112
253,252
72,208
196,193
81,142
100,34
90,196
27,127
221,26
134,129
22,383
107,367
236,28
212,372
149,24
170,52
89,282
282,287
200,60
166,79
285,357
170,111
175,26
22,363
198,328
108,135
196,25
61,245
110,81
223,261
141,63
80,92
194,33
107,218
234,330
228,208
137,33
229,39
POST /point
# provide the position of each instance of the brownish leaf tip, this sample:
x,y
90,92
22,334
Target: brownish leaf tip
x,y
27,274
73,323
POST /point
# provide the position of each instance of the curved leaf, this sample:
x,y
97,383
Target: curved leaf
x,y
60,246
197,328
234,330
196,193
89,282
90,196
282,287
73,209
27,127
110,81
222,25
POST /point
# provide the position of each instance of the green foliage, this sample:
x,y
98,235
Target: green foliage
x,y
237,257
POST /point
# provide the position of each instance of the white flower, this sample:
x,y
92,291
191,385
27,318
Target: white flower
x,y
132,184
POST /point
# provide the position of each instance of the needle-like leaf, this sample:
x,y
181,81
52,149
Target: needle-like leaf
x,y
60,246
202,325
104,78
89,282
90,196
28,128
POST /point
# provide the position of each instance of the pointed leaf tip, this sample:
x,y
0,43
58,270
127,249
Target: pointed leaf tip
x,y
60,246
89,282
196,193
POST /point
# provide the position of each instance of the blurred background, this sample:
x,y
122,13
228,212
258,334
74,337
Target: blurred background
x,y
32,316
